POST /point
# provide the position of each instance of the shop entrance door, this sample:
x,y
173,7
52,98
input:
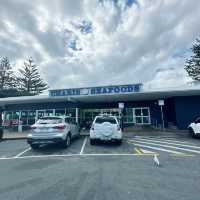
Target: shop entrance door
x,y
141,115
88,115
42,113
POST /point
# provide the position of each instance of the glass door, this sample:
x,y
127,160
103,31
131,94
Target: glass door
x,y
141,115
42,113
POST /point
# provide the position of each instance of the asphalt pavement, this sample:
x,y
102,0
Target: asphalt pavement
x,y
103,171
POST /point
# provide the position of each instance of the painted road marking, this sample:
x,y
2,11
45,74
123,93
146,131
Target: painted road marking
x,y
169,140
155,148
146,151
184,145
74,155
162,145
137,149
83,146
183,155
18,155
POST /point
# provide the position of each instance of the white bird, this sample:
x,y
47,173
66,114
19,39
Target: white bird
x,y
155,159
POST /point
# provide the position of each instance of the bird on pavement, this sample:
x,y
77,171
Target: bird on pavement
x,y
156,161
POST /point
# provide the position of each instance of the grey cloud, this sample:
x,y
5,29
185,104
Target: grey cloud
x,y
113,55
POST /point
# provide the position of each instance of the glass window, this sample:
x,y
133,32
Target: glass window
x,y
8,115
59,112
71,112
138,120
197,120
68,120
24,117
31,117
100,120
49,120
49,112
128,117
31,114
145,112
95,113
138,112
15,115
88,115
145,120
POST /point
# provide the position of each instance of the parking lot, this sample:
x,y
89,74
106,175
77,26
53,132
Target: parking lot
x,y
102,171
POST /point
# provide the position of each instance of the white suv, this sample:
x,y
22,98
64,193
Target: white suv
x,y
194,128
53,129
107,128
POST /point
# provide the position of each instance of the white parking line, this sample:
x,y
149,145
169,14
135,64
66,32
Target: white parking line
x,y
164,139
162,145
19,154
83,146
156,148
75,155
173,143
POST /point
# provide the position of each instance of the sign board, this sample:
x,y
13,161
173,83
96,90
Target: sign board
x,y
121,105
115,89
161,102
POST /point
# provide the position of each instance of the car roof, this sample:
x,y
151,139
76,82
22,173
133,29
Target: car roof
x,y
52,116
105,115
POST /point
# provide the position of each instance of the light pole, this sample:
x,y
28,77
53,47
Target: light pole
x,y
121,107
161,103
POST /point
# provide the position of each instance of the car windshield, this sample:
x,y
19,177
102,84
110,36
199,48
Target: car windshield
x,y
49,120
101,120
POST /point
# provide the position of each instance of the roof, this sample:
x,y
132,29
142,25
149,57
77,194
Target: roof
x,y
137,96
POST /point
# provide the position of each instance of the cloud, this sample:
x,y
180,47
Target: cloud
x,y
99,42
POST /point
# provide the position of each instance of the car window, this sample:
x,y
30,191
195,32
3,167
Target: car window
x,y
68,120
197,120
100,120
49,120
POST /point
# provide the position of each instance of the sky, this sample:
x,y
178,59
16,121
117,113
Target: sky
x,y
80,43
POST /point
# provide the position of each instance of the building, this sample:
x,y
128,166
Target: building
x,y
175,108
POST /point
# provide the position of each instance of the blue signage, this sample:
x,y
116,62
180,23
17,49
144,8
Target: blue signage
x,y
117,89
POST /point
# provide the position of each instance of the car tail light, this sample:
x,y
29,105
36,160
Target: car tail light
x,y
33,127
60,127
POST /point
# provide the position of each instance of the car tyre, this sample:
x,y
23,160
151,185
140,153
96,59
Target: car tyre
x,y
119,142
34,146
92,141
191,131
67,141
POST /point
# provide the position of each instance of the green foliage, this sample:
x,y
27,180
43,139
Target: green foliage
x,y
28,83
12,93
7,78
192,65
30,80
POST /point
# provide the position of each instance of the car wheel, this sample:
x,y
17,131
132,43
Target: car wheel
x,y
191,131
92,141
119,142
67,141
34,146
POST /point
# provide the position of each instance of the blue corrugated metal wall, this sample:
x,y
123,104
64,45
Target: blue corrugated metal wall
x,y
187,109
178,110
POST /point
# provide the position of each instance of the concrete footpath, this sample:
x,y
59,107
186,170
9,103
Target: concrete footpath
x,y
8,135
14,135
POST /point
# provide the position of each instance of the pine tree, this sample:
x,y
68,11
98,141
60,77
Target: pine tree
x,y
30,80
192,65
7,78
